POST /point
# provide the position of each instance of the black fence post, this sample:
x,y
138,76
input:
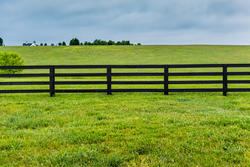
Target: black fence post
x,y
52,81
109,92
166,78
225,86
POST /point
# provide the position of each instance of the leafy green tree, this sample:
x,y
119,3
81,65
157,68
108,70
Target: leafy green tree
x,y
139,44
59,44
104,42
10,59
63,43
41,44
127,43
97,42
118,43
110,42
74,42
45,44
1,41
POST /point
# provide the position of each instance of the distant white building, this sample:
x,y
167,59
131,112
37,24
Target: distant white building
x,y
30,44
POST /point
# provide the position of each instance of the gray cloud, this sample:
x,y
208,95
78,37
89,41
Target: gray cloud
x,y
146,21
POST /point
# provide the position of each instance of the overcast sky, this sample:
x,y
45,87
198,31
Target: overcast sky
x,y
145,21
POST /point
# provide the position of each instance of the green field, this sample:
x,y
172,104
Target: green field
x,y
132,54
126,129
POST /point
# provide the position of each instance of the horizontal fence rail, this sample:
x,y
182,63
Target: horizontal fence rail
x,y
166,82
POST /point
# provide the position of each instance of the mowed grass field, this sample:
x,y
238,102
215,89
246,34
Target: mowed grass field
x,y
126,129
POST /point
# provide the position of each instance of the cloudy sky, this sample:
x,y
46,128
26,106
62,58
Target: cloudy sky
x,y
145,21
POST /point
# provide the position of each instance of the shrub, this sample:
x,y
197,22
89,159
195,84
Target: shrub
x,y
11,59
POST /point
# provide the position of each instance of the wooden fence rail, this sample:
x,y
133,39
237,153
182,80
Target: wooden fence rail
x,y
109,74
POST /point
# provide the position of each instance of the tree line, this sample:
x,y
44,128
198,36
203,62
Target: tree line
x,y
76,42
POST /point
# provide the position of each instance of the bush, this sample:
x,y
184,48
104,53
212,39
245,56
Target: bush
x,y
11,59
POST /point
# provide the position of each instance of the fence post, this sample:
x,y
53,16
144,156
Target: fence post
x,y
225,86
109,92
166,71
52,81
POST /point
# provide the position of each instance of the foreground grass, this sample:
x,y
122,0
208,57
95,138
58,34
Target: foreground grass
x,y
144,129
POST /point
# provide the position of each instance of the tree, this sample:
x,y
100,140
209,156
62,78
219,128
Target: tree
x,y
139,44
63,43
118,43
74,41
81,43
104,42
41,44
1,41
45,44
127,43
10,59
110,42
52,44
97,42
59,44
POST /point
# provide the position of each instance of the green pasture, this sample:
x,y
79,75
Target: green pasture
x,y
126,129
79,55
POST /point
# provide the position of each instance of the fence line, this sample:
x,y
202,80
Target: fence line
x,y
109,74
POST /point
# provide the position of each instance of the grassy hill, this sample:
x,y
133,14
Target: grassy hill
x,y
125,129
132,54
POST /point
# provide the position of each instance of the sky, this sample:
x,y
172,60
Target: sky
x,y
145,21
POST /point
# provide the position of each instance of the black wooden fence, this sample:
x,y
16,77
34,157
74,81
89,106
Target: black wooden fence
x,y
109,74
